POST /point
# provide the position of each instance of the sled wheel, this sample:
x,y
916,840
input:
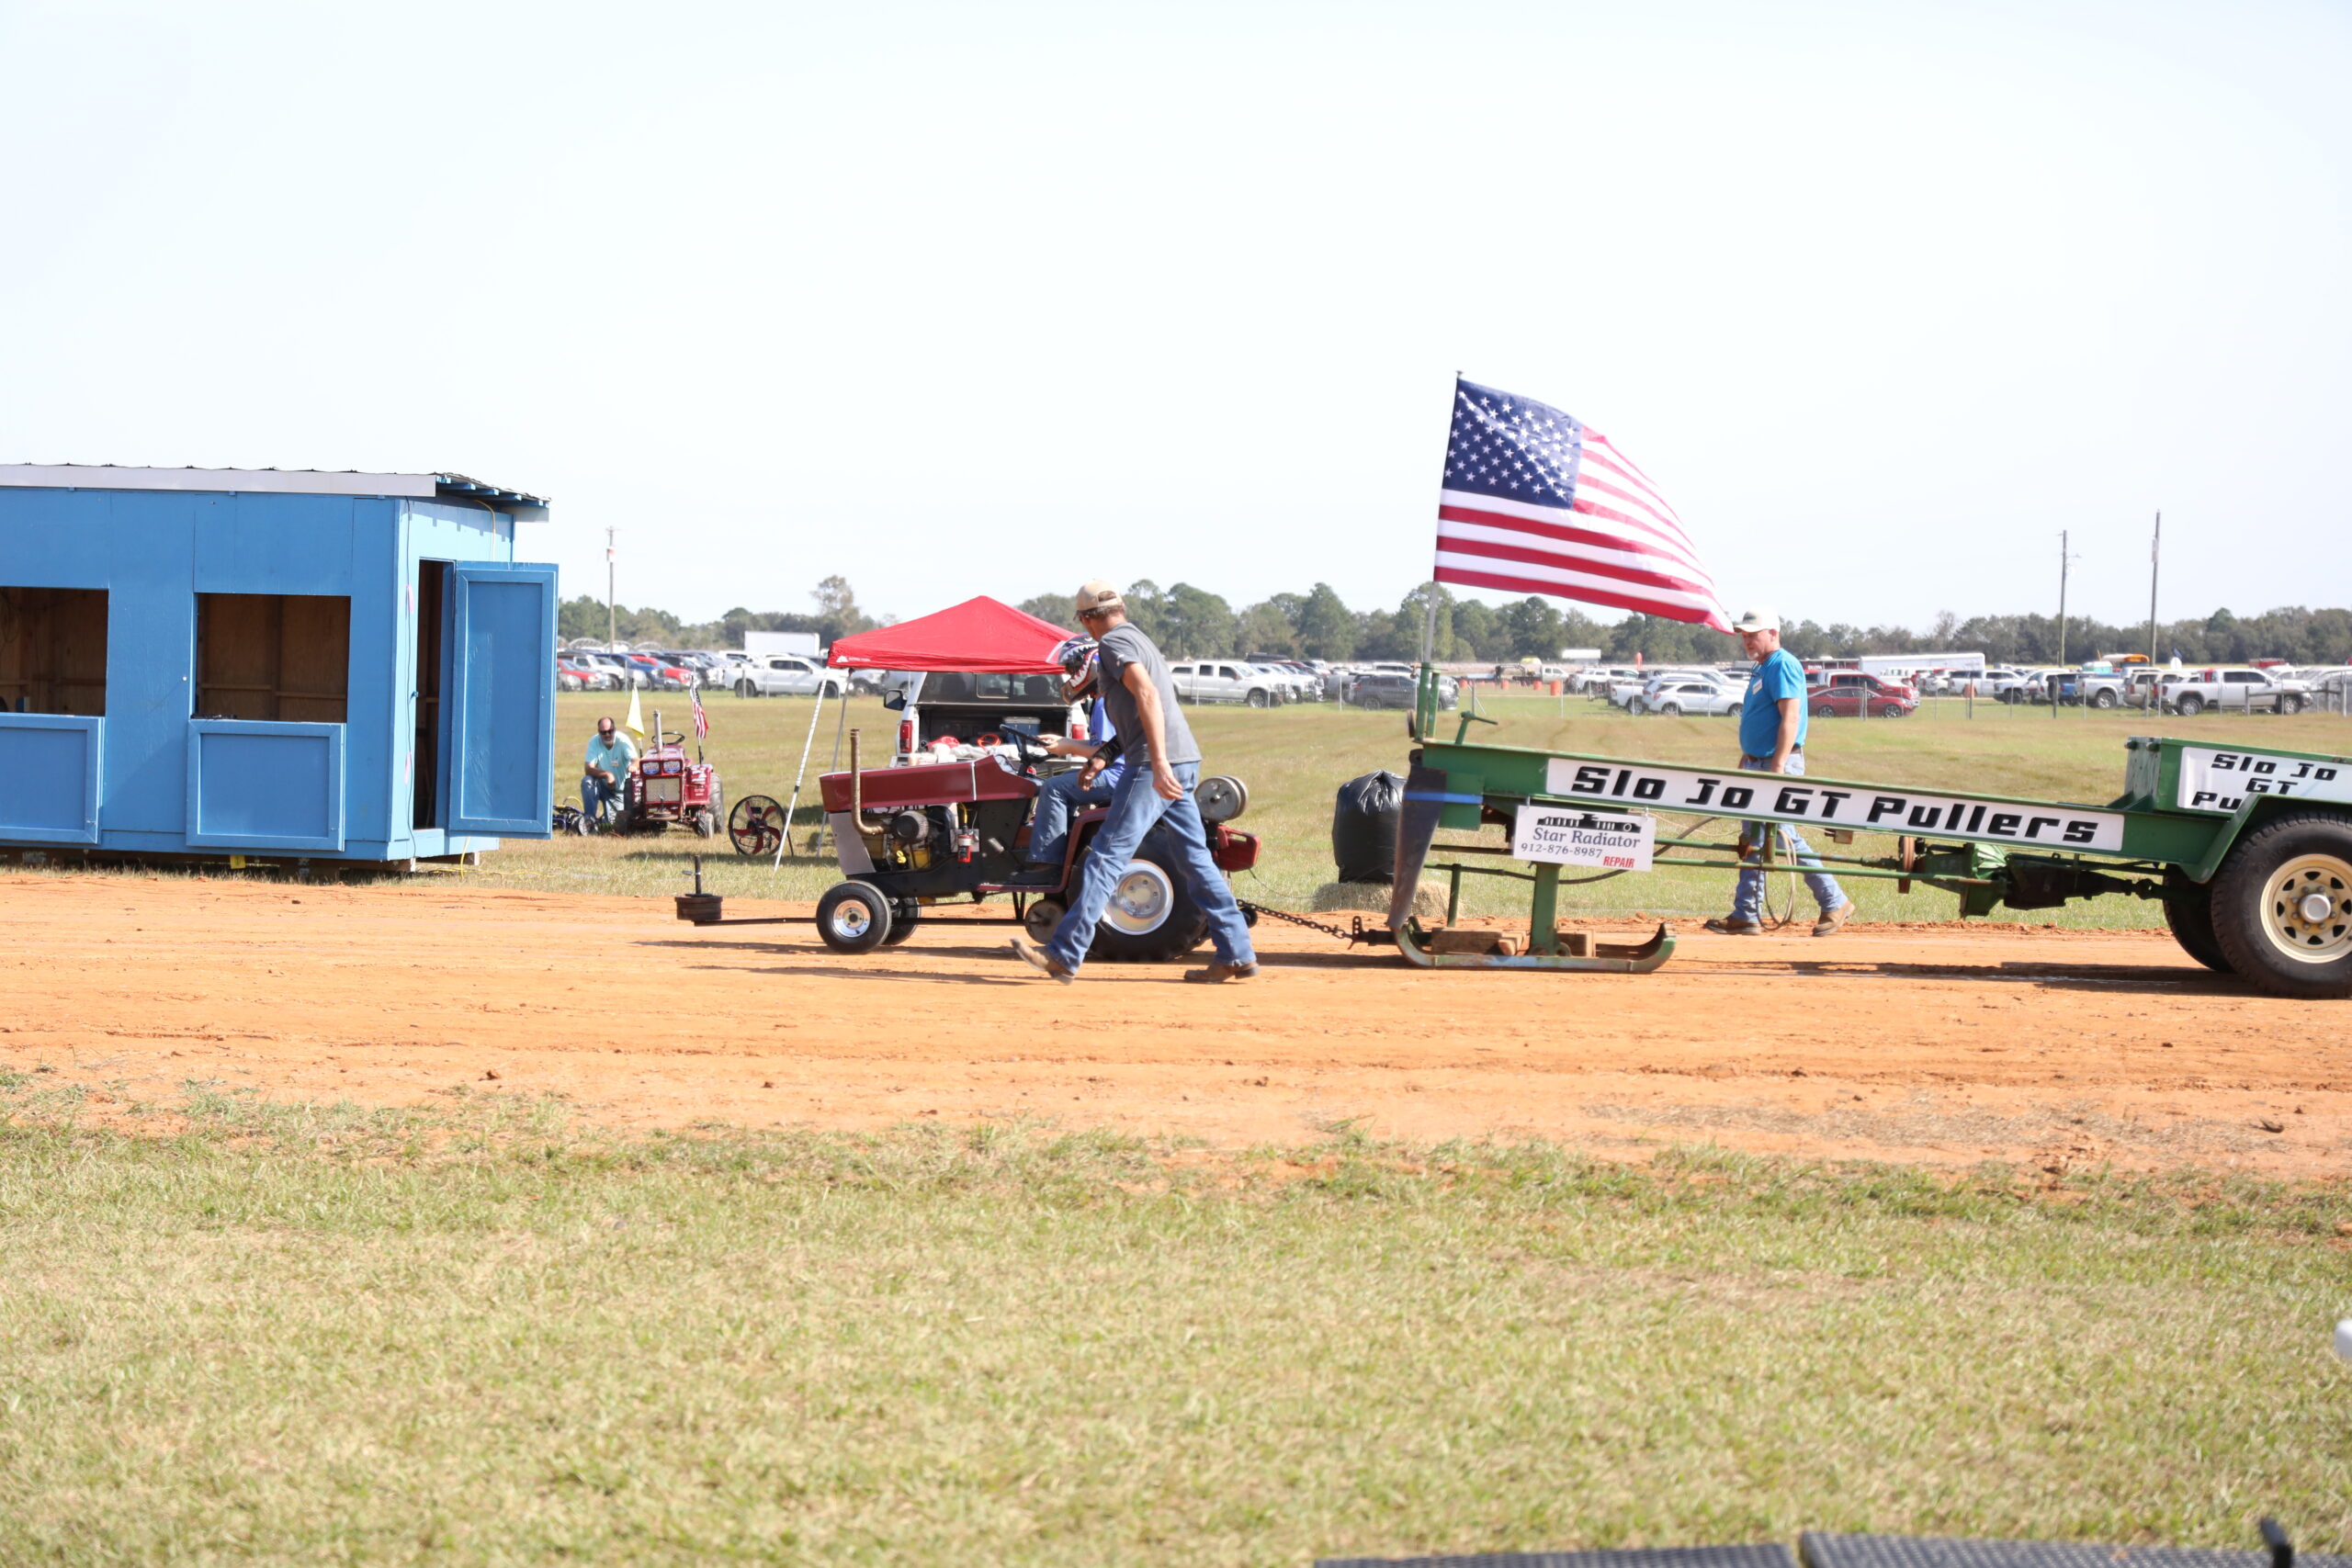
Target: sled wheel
x,y
853,916
2188,910
1041,918
756,825
2282,906
904,913
1150,918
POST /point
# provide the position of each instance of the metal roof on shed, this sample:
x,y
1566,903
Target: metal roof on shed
x,y
279,482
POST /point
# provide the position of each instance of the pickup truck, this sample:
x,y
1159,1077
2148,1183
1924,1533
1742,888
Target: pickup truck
x,y
785,675
2243,691
1227,680
2093,688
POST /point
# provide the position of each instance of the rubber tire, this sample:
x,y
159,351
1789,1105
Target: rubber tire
x,y
1825,711
905,914
1891,710
1257,697
744,688
1182,931
2103,698
2238,890
2188,910
1670,710
706,823
2290,706
858,896
1733,711
2190,706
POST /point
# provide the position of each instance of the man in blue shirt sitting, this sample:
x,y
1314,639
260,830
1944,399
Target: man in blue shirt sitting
x,y
1062,796
1772,740
603,772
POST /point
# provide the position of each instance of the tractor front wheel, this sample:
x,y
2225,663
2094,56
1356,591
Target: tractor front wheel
x,y
853,918
2282,906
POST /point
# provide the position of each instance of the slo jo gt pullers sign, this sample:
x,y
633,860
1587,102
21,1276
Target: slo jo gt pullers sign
x,y
1773,797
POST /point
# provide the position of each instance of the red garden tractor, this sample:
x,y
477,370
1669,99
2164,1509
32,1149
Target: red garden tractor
x,y
910,837
663,787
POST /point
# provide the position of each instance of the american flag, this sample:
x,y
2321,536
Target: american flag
x,y
1538,503
702,720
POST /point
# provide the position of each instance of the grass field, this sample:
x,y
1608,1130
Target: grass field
x,y
1293,759
304,1336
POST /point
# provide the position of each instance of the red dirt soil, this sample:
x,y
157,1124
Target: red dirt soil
x,y
1939,1044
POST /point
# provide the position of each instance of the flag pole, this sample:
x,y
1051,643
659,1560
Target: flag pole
x,y
2155,554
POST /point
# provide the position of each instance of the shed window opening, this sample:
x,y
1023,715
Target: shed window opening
x,y
53,650
282,658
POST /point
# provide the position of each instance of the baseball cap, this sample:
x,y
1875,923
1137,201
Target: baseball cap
x,y
1758,620
1099,595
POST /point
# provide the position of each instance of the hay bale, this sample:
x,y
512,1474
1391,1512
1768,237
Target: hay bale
x,y
1428,899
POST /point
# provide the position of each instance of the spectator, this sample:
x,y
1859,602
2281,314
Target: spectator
x,y
610,756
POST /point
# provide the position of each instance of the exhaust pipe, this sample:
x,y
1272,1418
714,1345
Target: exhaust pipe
x,y
871,836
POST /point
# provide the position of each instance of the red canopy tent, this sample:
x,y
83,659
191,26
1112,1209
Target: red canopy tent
x,y
981,636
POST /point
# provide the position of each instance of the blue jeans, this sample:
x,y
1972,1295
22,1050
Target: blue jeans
x,y
598,799
1747,900
1135,809
1059,799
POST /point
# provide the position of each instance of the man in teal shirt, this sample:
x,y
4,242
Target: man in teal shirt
x,y
1772,740
610,755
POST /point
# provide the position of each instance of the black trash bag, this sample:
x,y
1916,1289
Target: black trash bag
x,y
1364,828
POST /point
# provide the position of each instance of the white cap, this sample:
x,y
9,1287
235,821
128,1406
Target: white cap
x,y
1758,620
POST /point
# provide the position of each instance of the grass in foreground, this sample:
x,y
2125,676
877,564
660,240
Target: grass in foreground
x,y
305,1335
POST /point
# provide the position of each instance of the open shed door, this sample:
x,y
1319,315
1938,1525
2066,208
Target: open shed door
x,y
498,768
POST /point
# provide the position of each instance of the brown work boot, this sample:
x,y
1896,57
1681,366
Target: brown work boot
x,y
1045,963
1834,920
1732,925
1218,974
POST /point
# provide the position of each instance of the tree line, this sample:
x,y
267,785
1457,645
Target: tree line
x,y
1189,622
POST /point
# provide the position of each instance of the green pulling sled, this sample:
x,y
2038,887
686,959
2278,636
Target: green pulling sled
x,y
2248,848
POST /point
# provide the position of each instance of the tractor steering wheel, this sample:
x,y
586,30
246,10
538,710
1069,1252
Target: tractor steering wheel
x,y
1028,748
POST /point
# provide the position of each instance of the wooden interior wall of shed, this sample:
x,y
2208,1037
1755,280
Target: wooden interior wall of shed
x,y
53,650
284,657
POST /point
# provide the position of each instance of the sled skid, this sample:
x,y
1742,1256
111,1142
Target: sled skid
x,y
1455,949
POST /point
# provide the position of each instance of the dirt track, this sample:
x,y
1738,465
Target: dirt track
x,y
1931,1044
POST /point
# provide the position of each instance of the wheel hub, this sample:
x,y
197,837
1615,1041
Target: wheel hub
x,y
852,920
1140,902
2308,909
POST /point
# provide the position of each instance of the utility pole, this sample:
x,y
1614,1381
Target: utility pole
x,y
2155,554
2063,560
609,621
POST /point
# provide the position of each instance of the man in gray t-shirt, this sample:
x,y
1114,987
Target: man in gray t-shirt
x,y
1163,764
1124,645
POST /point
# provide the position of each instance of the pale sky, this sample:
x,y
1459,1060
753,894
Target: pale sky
x,y
999,298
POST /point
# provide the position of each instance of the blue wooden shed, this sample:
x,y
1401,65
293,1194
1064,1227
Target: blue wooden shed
x,y
278,663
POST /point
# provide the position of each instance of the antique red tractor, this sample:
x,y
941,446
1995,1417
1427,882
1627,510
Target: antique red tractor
x,y
663,787
910,837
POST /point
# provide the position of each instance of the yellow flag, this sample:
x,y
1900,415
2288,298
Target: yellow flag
x,y
634,723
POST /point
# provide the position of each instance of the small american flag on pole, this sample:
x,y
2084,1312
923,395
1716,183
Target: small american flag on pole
x,y
1536,502
702,720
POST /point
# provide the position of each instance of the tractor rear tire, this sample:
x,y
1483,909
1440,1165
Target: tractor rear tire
x,y
1151,918
904,913
2282,906
853,918
2188,910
